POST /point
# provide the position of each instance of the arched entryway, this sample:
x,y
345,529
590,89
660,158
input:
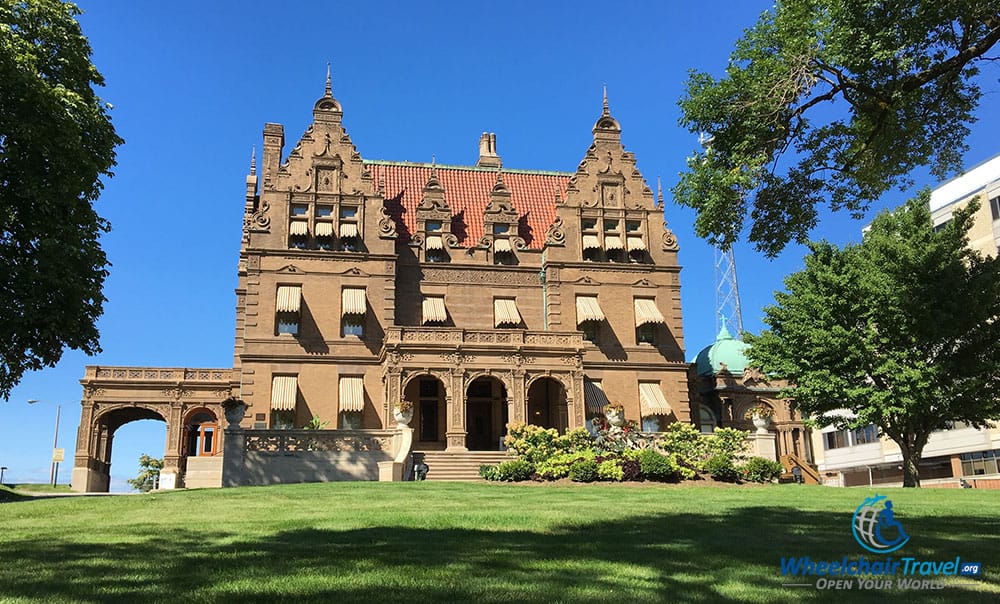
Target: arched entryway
x,y
201,433
427,393
105,427
485,414
546,404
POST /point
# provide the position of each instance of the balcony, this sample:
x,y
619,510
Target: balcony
x,y
512,338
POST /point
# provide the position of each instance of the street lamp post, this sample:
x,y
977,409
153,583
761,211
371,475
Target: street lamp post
x,y
54,469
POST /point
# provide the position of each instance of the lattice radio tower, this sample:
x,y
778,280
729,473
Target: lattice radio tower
x,y
727,290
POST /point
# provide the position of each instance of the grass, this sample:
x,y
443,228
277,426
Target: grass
x,y
455,542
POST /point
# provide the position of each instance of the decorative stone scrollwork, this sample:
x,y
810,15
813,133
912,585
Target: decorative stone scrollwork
x,y
259,221
386,225
417,240
486,242
555,235
290,441
518,243
517,359
669,239
90,392
178,393
457,358
450,239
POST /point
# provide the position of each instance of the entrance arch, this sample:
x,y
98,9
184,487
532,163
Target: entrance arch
x,y
485,413
546,404
201,433
103,434
427,393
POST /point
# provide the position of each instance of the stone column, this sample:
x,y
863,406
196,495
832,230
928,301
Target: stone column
x,y
455,405
171,476
518,402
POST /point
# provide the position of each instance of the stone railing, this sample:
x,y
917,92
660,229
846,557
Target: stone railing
x,y
453,335
164,374
290,441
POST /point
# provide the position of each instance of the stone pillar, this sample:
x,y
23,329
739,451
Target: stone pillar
x,y
455,405
234,457
762,445
518,404
171,476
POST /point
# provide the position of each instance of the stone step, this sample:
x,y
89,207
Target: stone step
x,y
458,465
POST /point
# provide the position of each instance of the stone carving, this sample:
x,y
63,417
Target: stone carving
x,y
555,234
517,359
669,239
518,243
386,225
432,336
753,375
91,391
176,393
290,441
456,275
258,221
457,358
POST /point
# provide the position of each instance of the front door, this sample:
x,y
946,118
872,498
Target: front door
x,y
479,426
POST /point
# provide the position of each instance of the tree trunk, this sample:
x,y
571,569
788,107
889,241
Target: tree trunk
x,y
911,469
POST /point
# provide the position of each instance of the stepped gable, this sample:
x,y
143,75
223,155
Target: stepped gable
x,y
467,191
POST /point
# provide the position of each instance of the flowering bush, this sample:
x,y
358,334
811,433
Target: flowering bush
x,y
759,410
611,469
535,444
686,442
727,441
615,439
759,469
558,466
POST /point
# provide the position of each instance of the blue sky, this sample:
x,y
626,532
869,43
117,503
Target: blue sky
x,y
192,84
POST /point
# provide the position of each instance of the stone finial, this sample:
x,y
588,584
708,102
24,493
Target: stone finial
x,y
253,160
329,89
606,111
659,192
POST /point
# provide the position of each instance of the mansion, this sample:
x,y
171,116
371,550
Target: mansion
x,y
482,295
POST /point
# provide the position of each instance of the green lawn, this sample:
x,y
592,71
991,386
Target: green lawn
x,y
454,542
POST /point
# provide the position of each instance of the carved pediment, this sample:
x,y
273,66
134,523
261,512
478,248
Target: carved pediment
x,y
290,268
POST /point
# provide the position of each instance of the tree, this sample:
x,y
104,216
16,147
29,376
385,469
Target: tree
x,y
149,473
56,142
832,101
902,331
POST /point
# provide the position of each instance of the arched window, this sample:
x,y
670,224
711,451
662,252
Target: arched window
x,y
202,433
706,420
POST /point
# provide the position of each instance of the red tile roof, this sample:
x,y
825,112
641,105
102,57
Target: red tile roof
x,y
467,191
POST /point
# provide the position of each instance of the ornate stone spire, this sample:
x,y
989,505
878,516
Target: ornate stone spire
x,y
606,112
253,160
659,193
329,89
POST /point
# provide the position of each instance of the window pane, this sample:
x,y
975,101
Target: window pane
x,y
300,209
501,229
292,328
324,211
610,225
433,226
588,224
348,212
633,226
995,207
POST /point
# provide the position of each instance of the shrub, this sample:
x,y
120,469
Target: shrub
x,y
515,470
535,444
489,472
610,469
685,442
584,470
657,466
727,441
631,470
759,469
558,466
721,467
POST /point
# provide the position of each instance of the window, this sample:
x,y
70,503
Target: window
x,y
633,226
350,420
349,232
588,224
354,307
503,253
505,313
940,227
611,226
300,209
995,207
324,235
978,463
868,434
287,305
646,333
434,226
282,420
652,423
706,420
835,440
591,331
324,211
298,234
284,396
352,401
501,229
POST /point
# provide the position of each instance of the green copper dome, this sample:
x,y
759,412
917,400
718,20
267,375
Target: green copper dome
x,y
726,349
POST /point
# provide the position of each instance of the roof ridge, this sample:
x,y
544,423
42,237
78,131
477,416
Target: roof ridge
x,y
414,164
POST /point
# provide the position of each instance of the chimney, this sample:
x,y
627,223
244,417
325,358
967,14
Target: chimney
x,y
488,157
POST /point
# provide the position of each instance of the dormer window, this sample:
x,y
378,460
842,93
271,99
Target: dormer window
x,y
434,247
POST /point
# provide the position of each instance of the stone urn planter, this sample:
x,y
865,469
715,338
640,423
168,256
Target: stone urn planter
x,y
403,413
761,423
235,410
616,416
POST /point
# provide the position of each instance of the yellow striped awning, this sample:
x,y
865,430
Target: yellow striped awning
x,y
646,312
590,242
348,229
501,245
299,227
434,311
324,229
352,393
587,309
289,298
505,313
635,243
283,391
613,242
434,242
653,401
594,396
353,301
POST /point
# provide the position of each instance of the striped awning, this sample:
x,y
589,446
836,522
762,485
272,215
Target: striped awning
x,y
505,313
434,311
653,401
594,396
590,242
434,242
646,312
353,301
635,243
289,298
324,229
352,393
283,390
348,229
613,242
501,245
587,309
299,227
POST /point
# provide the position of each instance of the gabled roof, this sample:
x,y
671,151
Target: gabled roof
x,y
467,191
